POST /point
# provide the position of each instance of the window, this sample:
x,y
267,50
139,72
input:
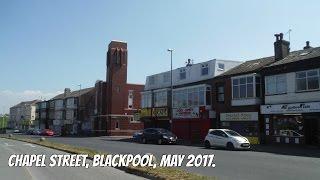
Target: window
x,y
117,125
204,69
220,93
182,73
166,77
276,84
151,80
130,99
220,67
192,96
307,80
243,87
146,99
160,98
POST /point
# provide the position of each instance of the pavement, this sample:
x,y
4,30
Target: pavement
x,y
9,147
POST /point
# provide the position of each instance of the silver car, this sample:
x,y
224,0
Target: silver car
x,y
226,138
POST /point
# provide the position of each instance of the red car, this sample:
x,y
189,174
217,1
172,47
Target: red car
x,y
47,132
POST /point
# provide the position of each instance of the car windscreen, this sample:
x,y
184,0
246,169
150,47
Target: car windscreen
x,y
232,133
164,131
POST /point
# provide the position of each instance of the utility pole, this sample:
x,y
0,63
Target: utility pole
x,y
171,50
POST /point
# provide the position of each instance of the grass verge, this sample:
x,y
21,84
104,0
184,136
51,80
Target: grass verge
x,y
147,172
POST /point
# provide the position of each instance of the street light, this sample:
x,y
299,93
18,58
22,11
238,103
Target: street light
x,y
171,50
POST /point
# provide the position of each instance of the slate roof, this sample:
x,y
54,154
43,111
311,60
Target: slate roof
x,y
298,56
250,66
73,93
26,103
258,64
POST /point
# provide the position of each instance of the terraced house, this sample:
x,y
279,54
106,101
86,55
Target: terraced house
x,y
291,110
71,112
23,115
191,115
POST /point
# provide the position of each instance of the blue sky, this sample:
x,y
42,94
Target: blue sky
x,y
46,46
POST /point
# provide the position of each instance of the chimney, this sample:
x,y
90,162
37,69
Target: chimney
x,y
66,91
189,63
281,47
307,45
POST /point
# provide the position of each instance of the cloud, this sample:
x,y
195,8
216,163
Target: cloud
x,y
10,98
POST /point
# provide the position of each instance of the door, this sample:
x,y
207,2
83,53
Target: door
x,y
216,138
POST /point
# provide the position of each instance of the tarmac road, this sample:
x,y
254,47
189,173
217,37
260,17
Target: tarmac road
x,y
9,147
266,163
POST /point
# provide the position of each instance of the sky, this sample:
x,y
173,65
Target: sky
x,y
46,46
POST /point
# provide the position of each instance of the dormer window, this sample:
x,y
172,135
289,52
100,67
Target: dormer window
x,y
182,73
220,67
204,69
151,80
166,77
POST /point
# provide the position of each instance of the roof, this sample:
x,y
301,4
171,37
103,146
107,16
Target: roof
x,y
73,93
298,56
257,64
250,66
26,103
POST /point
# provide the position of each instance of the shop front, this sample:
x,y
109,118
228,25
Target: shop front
x,y
297,123
245,123
191,124
161,118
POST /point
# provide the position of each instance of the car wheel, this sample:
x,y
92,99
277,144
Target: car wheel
x,y
230,146
144,141
159,141
207,144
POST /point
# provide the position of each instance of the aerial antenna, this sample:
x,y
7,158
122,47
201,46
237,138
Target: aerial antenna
x,y
289,32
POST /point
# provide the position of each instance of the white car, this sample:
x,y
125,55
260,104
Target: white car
x,y
226,138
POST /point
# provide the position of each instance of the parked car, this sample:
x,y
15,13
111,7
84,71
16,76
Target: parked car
x,y
36,132
159,135
16,131
137,136
47,132
226,138
30,131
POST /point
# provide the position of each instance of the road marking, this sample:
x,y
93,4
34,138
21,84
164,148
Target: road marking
x,y
29,145
8,144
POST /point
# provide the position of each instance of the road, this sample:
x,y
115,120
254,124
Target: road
x,y
283,164
9,147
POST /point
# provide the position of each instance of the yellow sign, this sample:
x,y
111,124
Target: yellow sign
x,y
145,112
159,112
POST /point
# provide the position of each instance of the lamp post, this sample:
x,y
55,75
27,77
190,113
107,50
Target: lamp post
x,y
171,85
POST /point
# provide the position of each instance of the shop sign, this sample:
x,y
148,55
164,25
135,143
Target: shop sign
x,y
145,112
186,113
159,112
291,108
240,116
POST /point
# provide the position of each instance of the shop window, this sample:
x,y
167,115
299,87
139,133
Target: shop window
x,y
276,84
204,69
183,74
146,99
307,80
289,126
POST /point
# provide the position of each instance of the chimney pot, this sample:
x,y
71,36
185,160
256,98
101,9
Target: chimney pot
x,y
281,36
307,45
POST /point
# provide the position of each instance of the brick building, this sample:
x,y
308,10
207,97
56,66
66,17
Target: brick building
x,y
118,102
